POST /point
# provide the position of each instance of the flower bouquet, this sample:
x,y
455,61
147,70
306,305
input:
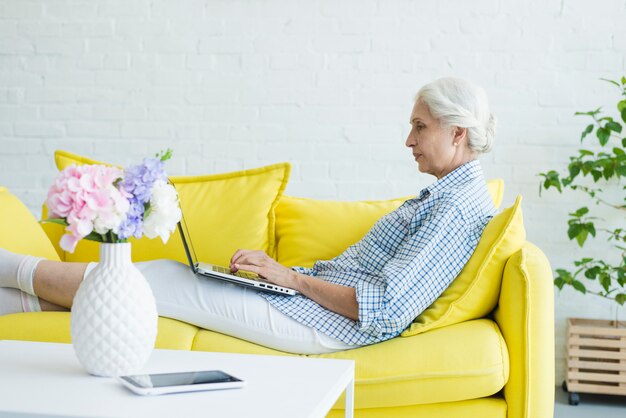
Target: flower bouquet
x,y
114,317
105,204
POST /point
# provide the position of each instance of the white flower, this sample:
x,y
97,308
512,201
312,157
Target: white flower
x,y
164,212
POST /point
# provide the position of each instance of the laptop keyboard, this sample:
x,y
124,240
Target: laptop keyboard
x,y
245,275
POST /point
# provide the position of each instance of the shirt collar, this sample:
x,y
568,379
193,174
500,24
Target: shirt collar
x,y
458,176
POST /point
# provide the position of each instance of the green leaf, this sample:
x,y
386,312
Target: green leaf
x,y
605,281
618,151
582,237
580,212
559,282
623,113
592,273
589,113
58,221
614,126
623,80
584,152
586,132
603,135
94,236
574,230
611,81
621,106
579,286
596,175
565,275
620,298
591,228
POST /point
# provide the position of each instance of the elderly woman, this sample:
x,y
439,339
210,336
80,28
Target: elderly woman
x,y
369,293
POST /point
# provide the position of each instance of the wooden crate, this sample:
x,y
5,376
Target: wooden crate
x,y
596,356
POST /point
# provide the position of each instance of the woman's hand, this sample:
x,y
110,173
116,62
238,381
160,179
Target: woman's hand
x,y
337,298
260,263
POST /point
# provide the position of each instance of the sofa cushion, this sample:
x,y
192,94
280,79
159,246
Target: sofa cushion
x,y
19,230
54,327
427,368
474,293
308,230
223,212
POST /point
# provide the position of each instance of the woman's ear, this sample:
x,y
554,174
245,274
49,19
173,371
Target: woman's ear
x,y
459,135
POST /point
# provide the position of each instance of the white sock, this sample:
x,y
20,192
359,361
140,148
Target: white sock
x,y
17,270
30,303
16,301
90,267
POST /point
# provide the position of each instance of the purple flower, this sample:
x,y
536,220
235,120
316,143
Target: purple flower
x,y
138,182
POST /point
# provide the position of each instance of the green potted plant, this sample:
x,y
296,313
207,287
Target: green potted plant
x,y
594,345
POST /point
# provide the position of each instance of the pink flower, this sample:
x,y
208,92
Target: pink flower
x,y
88,199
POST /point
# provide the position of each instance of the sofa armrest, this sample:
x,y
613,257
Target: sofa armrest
x,y
525,315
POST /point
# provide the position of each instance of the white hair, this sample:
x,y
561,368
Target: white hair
x,y
458,102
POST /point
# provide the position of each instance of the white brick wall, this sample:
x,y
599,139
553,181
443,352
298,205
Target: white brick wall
x,y
325,84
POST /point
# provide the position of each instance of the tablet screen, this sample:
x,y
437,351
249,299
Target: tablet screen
x,y
181,379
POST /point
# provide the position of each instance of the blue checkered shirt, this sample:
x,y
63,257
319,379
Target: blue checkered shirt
x,y
408,258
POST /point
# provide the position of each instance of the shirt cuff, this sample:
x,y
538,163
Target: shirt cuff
x,y
370,300
304,270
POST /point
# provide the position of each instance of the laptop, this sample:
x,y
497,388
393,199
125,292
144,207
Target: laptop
x,y
212,271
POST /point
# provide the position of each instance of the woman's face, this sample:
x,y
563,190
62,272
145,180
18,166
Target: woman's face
x,y
438,150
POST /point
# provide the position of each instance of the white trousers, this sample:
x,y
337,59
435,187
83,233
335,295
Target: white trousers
x,y
230,309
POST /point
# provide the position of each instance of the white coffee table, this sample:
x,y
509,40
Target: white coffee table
x,y
46,380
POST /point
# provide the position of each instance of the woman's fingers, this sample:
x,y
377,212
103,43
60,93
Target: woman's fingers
x,y
248,257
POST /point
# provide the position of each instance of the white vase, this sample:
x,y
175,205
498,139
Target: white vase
x,y
114,317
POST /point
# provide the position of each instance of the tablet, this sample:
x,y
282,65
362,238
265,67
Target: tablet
x,y
162,383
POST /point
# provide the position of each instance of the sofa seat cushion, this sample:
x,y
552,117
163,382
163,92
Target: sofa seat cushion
x,y
426,368
491,407
54,327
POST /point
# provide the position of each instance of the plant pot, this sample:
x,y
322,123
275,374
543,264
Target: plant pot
x,y
596,356
114,317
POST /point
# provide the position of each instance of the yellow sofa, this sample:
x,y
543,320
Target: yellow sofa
x,y
453,361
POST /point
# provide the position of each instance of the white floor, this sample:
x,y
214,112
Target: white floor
x,y
590,406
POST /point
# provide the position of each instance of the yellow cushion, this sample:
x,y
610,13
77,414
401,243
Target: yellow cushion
x,y
496,190
474,293
492,407
308,230
427,368
223,212
19,230
54,327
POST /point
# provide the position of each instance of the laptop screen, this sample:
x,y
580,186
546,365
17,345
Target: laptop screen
x,y
186,238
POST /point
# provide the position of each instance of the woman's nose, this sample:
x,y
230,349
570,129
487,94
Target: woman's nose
x,y
409,140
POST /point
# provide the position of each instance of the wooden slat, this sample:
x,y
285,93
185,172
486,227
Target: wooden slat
x,y
578,352
578,330
596,377
597,342
596,365
603,323
586,388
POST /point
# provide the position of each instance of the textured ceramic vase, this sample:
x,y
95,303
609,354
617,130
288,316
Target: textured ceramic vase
x,y
114,316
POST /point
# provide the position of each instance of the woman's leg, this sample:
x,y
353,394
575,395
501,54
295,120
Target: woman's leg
x,y
210,304
57,282
230,309
54,281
